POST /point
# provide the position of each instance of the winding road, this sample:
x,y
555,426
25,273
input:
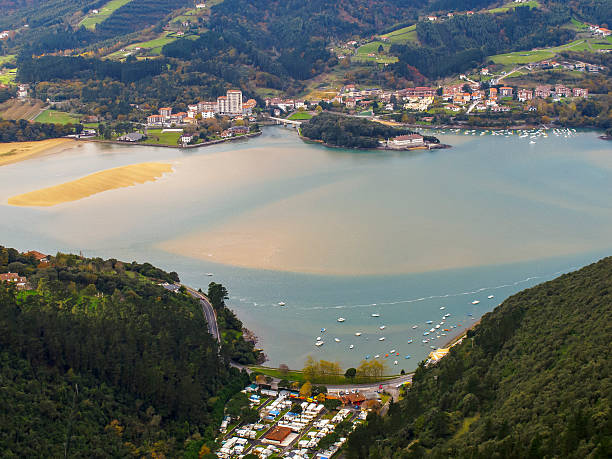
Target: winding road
x,y
209,312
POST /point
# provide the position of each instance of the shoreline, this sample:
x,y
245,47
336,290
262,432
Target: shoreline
x,y
22,151
197,145
432,146
451,342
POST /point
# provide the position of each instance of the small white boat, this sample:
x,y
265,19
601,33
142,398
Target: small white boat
x,y
442,308
381,338
426,333
336,340
341,319
429,322
281,303
395,363
432,330
490,296
415,326
392,351
532,141
475,302
375,315
209,274
382,327
425,341
376,356
351,346
319,338
409,341
319,343
358,334
437,326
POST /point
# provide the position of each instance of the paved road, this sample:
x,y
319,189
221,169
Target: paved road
x,y
209,312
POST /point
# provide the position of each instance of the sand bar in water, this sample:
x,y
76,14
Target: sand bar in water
x,y
14,152
98,182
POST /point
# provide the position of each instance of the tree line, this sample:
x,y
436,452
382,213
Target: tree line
x,y
24,130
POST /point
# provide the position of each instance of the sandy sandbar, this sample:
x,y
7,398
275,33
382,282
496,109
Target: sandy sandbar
x,y
14,152
98,182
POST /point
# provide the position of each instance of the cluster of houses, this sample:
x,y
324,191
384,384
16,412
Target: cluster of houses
x,y
13,278
230,105
281,432
421,98
21,282
567,65
598,30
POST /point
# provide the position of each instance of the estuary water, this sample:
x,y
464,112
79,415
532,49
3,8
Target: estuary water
x,y
407,236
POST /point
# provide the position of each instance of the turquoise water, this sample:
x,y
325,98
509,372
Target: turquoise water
x,y
334,233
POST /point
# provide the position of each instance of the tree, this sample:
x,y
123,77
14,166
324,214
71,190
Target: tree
x,y
381,49
332,404
306,389
249,415
284,369
350,373
217,294
296,408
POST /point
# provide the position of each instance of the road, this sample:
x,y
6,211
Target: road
x,y
209,312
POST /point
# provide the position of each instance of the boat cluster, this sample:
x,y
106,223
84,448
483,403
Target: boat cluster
x,y
531,134
436,331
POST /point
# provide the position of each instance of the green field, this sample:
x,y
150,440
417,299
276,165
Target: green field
x,y
526,57
511,6
403,35
297,116
153,47
7,58
56,117
157,137
92,20
8,76
372,48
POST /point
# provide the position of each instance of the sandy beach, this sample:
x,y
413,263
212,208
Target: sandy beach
x,y
98,182
14,152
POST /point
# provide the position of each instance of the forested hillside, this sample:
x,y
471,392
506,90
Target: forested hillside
x,y
532,380
96,356
138,14
463,42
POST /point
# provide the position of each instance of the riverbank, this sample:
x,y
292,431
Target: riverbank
x,y
14,152
110,179
197,145
428,146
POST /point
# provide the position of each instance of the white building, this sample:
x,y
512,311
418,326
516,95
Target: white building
x,y
231,103
403,141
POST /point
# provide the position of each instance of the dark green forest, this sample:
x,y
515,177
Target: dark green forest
x,y
24,131
101,360
350,132
533,380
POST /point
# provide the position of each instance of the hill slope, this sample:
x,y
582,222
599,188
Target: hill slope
x,y
532,380
101,358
